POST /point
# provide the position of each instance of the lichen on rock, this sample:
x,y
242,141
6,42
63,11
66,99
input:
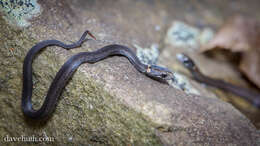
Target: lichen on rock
x,y
187,37
148,55
19,11
183,35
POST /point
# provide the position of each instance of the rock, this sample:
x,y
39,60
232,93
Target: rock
x,y
109,102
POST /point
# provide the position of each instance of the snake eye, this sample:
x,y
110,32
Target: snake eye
x,y
159,73
164,75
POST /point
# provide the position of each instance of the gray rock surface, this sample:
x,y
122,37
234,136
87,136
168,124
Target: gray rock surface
x,y
109,102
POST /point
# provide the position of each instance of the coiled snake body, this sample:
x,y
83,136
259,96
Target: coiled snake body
x,y
67,70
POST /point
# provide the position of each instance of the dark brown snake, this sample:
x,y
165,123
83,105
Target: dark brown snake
x,y
251,96
68,68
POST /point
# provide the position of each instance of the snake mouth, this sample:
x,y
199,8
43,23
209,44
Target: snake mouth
x,y
168,76
159,73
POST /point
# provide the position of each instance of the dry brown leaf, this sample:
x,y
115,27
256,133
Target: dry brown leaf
x,y
238,34
250,65
241,34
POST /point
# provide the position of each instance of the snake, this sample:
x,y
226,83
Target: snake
x,y
67,70
251,96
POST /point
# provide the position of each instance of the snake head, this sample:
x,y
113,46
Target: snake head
x,y
159,73
186,61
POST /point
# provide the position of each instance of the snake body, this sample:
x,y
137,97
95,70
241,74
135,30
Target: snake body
x,y
70,66
251,96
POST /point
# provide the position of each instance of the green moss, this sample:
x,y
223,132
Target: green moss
x,y
85,114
